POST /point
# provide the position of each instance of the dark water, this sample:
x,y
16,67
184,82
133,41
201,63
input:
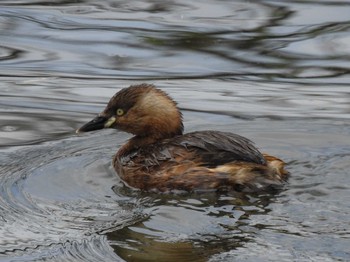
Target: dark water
x,y
274,71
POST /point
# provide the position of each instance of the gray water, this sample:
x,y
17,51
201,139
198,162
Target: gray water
x,y
277,72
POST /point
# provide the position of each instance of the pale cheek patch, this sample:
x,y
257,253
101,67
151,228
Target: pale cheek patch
x,y
110,122
156,104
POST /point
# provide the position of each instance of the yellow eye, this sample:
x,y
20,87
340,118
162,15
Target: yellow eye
x,y
120,112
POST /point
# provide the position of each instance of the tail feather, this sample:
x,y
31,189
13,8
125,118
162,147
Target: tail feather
x,y
252,177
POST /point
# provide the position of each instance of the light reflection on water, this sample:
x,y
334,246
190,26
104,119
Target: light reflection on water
x,y
275,72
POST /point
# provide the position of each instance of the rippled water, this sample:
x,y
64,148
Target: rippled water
x,y
274,71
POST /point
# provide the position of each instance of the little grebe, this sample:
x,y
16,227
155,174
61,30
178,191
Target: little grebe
x,y
160,157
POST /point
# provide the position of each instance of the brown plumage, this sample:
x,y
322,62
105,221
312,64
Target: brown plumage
x,y
160,157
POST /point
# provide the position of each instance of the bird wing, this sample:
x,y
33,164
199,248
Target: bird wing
x,y
206,148
217,148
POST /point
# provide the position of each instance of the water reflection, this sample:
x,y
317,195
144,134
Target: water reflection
x,y
176,39
276,72
190,228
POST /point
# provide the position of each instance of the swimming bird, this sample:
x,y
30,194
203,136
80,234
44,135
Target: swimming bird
x,y
160,157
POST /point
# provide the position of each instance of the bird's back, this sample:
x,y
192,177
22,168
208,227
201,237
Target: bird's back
x,y
200,160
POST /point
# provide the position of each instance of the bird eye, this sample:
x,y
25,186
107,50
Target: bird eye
x,y
120,112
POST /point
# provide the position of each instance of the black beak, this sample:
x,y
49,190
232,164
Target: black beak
x,y
97,123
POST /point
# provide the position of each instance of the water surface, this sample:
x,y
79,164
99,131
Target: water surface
x,y
276,72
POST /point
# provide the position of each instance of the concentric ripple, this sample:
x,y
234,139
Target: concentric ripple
x,y
57,198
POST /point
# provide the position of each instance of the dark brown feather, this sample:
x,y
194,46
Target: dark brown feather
x,y
204,160
217,148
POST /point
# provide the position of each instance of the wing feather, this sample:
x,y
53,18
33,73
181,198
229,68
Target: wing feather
x,y
207,148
